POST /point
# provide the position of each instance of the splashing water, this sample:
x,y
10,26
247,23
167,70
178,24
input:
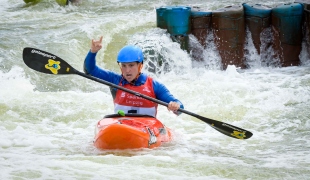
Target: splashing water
x,y
47,121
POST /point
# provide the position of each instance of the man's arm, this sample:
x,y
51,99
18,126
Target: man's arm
x,y
91,68
163,94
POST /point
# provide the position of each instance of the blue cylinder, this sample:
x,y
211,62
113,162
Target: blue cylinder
x,y
287,30
257,18
161,17
178,20
257,10
288,19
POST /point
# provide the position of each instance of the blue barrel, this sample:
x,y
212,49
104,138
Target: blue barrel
x,y
288,19
161,17
257,19
178,20
257,10
287,23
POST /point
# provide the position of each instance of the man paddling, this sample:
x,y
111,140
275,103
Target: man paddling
x,y
130,59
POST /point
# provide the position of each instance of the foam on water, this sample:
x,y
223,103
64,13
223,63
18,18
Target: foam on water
x,y
47,122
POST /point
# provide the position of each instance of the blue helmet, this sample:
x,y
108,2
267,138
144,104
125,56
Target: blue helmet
x,y
130,53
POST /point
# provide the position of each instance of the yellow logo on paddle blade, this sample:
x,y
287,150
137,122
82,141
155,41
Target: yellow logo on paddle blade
x,y
53,66
239,135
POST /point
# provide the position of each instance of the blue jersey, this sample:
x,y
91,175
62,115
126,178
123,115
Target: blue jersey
x,y
161,92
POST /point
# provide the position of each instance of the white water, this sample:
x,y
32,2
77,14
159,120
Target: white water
x,y
47,122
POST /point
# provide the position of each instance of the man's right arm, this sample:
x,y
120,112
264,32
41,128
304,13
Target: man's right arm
x,y
91,68
90,63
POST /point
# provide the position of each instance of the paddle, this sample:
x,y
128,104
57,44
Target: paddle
x,y
48,63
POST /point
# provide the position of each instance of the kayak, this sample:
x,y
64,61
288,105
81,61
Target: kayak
x,y
130,131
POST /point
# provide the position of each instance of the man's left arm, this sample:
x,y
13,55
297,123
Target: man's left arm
x,y
163,94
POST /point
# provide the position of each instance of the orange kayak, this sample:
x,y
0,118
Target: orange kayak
x,y
131,131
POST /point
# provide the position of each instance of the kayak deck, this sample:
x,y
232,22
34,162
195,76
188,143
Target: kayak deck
x,y
131,131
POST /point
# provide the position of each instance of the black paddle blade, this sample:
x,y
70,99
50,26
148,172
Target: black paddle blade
x,y
232,131
46,62
227,129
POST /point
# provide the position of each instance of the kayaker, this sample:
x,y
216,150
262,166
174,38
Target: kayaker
x,y
130,59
